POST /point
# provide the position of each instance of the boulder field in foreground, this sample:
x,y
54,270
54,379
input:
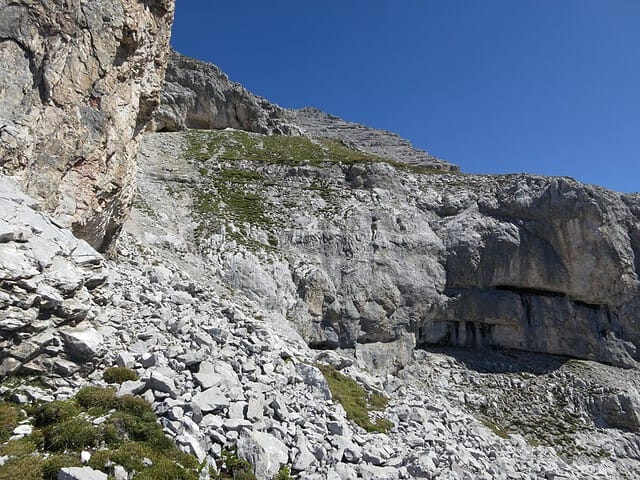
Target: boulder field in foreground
x,y
79,83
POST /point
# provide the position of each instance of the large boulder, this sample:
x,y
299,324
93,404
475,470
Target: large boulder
x,y
265,452
78,83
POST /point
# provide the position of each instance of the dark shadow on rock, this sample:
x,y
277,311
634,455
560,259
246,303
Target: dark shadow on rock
x,y
502,361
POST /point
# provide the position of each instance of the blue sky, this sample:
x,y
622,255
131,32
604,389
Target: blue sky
x,y
539,86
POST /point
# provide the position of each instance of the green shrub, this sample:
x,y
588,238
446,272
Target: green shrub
x,y
22,468
98,398
130,455
17,448
55,412
137,406
131,432
119,375
355,400
75,433
166,470
99,459
52,465
235,467
283,474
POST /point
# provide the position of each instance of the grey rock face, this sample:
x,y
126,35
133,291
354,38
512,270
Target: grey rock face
x,y
48,279
78,83
544,265
83,342
368,253
199,95
379,142
81,473
265,452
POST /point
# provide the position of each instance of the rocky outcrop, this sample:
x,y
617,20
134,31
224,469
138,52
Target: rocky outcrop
x,y
194,338
78,83
541,264
199,95
48,282
367,252
378,142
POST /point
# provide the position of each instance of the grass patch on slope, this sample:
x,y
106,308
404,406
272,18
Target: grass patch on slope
x,y
127,433
355,400
239,145
282,149
234,196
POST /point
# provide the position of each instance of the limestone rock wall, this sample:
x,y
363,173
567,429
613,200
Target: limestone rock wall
x,y
199,95
541,264
78,83
366,253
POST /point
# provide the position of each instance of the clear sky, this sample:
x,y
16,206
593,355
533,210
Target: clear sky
x,y
538,86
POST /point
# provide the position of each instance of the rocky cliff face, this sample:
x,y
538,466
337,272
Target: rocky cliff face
x,y
376,254
197,94
78,83
374,247
366,257
358,250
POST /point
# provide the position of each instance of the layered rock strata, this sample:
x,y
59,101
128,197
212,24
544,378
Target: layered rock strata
x,y
49,291
78,83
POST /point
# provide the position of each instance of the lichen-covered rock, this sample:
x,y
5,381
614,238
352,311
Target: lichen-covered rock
x,y
78,83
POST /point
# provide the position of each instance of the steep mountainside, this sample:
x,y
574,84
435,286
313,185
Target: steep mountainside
x,y
357,249
353,251
315,295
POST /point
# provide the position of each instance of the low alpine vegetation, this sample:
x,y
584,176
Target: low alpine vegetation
x,y
116,431
356,401
119,375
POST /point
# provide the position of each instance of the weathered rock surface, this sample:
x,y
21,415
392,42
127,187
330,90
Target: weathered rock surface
x,y
171,316
78,83
48,279
81,473
265,452
222,257
199,95
379,142
369,252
